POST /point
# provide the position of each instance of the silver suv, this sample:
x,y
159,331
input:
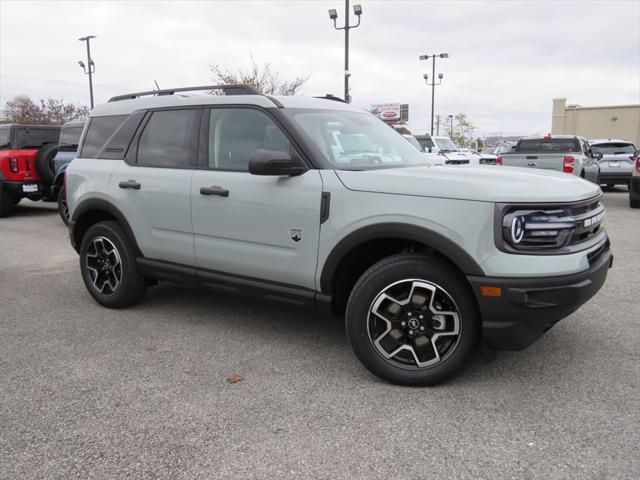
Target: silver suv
x,y
313,202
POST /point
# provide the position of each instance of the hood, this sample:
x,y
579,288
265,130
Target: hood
x,y
485,183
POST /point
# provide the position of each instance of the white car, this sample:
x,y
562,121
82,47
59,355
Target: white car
x,y
445,149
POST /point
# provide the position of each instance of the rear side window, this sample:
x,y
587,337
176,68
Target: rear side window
x,y
36,137
99,131
168,139
548,145
70,138
5,138
614,148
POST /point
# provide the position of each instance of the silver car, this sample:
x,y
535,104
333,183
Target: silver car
x,y
616,164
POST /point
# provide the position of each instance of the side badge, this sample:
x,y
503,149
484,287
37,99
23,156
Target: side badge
x,y
295,234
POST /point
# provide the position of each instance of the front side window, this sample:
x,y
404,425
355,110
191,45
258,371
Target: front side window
x,y
614,148
235,133
168,139
99,131
69,138
356,140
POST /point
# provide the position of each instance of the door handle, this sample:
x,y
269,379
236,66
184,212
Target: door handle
x,y
215,190
132,184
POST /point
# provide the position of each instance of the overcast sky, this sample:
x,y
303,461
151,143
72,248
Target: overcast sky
x,y
508,59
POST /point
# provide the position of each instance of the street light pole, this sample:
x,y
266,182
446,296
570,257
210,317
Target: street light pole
x,y
433,84
333,15
90,67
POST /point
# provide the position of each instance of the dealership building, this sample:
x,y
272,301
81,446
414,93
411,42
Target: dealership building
x,y
615,121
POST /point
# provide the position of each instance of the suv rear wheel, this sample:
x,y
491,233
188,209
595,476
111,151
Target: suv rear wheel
x,y
63,209
412,320
6,204
108,265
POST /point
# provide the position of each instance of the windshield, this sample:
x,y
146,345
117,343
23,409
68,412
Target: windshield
x,y
355,140
445,144
614,148
5,138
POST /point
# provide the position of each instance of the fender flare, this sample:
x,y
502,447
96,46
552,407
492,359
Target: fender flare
x,y
94,204
456,254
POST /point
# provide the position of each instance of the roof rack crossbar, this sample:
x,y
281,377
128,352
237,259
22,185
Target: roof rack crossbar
x,y
227,89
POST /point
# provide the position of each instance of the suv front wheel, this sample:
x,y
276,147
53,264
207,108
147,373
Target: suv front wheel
x,y
108,265
412,320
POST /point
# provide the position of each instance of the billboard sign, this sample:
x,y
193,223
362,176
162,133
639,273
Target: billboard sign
x,y
386,111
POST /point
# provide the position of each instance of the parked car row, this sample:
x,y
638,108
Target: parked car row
x,y
607,162
32,163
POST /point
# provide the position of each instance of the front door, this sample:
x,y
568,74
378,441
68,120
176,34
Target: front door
x,y
264,227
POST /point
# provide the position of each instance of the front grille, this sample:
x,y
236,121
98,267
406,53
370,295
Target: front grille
x,y
588,221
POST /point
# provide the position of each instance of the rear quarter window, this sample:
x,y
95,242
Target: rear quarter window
x,y
5,138
98,132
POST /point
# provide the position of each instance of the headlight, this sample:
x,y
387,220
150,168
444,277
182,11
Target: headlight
x,y
523,228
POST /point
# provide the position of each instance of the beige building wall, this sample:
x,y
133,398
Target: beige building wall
x,y
617,121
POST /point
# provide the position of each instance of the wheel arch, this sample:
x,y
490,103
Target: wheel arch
x,y
390,238
92,211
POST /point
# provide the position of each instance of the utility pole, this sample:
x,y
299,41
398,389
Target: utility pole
x,y
438,125
433,77
333,15
451,127
90,68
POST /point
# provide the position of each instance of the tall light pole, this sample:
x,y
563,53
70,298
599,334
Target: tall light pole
x,y
90,68
333,15
451,127
433,84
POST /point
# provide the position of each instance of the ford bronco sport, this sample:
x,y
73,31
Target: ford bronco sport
x,y
316,203
26,163
67,149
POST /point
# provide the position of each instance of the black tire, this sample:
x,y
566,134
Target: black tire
x,y
44,162
17,200
130,288
634,202
63,210
395,271
7,203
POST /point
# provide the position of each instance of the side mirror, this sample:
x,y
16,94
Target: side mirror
x,y
597,155
274,162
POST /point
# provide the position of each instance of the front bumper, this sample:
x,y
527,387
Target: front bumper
x,y
528,307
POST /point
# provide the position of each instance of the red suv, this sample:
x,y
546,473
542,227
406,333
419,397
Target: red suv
x,y
26,163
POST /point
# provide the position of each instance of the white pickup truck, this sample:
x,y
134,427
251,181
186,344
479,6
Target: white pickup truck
x,y
563,153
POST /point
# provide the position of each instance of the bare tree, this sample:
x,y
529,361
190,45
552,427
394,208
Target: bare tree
x,y
262,77
52,111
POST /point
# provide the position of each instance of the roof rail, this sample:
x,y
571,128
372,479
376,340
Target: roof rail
x,y
328,96
227,89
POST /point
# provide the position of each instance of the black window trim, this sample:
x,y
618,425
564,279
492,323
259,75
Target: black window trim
x,y
131,156
203,157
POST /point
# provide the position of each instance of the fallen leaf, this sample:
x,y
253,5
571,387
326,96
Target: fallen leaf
x,y
235,378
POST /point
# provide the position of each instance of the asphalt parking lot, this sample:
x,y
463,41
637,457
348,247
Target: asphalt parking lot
x,y
87,392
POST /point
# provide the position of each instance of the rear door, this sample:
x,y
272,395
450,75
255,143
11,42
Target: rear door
x,y
152,188
264,227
